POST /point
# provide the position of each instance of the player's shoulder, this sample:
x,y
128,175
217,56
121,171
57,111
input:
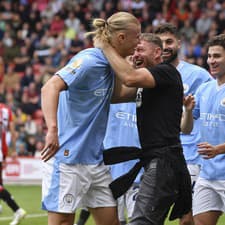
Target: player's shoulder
x,y
89,57
93,53
196,71
193,67
207,85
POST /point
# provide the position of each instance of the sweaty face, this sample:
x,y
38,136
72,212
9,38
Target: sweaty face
x,y
145,54
171,46
216,61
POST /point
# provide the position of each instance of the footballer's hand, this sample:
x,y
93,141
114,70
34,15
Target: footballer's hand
x,y
189,102
51,146
207,150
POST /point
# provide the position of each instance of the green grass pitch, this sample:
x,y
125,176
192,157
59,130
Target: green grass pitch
x,y
29,198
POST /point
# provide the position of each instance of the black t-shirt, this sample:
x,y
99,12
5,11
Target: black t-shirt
x,y
159,115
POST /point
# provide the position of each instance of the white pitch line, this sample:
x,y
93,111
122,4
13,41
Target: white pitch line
x,y
27,216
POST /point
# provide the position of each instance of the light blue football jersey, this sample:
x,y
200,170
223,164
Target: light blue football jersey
x,y
192,77
83,107
210,109
122,131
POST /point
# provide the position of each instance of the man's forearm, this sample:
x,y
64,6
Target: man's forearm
x,y
49,99
129,76
123,93
121,67
220,148
187,122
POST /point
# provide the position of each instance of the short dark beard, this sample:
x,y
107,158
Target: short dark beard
x,y
172,58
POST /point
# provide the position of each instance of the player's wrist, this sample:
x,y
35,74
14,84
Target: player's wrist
x,y
53,128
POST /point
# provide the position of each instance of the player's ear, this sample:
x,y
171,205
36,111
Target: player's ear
x,y
121,37
158,52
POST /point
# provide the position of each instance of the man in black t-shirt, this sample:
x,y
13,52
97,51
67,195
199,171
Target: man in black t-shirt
x,y
159,99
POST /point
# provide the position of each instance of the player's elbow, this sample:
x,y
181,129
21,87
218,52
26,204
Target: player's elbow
x,y
130,79
129,82
139,78
44,90
186,129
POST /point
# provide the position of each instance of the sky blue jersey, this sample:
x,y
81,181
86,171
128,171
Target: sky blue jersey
x,y
192,76
210,108
122,131
83,107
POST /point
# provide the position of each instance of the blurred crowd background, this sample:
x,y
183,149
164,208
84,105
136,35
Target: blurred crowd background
x,y
37,37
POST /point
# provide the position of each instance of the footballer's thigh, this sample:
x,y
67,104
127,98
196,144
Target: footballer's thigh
x,y
63,186
99,198
60,218
105,215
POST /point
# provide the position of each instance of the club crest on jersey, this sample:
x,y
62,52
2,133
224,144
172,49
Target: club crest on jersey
x,y
222,102
186,88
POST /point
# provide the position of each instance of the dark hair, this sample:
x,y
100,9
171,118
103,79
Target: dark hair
x,y
152,38
167,28
217,40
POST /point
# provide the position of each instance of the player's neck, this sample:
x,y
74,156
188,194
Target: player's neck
x,y
220,79
175,62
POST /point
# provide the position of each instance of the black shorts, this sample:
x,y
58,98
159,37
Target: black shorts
x,y
158,191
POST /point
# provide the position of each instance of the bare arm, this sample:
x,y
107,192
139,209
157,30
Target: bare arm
x,y
187,117
49,99
209,151
122,93
129,76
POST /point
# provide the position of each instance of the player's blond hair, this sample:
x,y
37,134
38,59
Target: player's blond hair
x,y
103,29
